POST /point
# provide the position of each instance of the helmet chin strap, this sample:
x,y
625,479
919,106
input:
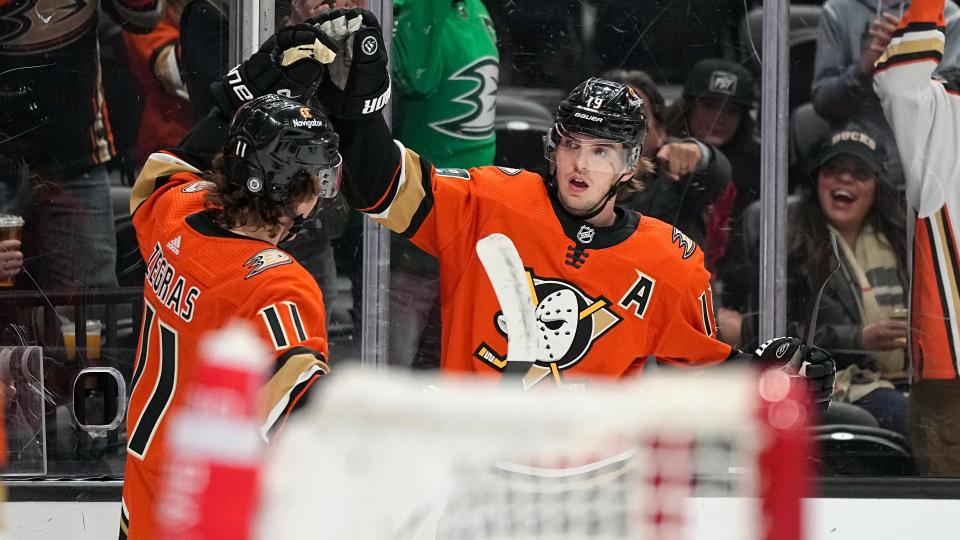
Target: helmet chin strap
x,y
593,212
299,221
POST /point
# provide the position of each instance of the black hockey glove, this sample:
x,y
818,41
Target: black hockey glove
x,y
813,364
290,63
358,80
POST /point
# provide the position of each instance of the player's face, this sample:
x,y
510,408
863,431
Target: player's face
x,y
714,121
846,190
587,167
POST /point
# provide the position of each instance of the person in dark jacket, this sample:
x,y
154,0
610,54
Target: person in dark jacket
x,y
688,175
715,108
860,316
843,87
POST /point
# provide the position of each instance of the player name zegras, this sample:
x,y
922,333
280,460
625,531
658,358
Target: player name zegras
x,y
160,274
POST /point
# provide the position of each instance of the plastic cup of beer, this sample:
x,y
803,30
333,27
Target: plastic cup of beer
x,y
93,339
11,228
69,332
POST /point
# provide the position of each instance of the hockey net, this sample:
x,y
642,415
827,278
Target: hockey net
x,y
716,455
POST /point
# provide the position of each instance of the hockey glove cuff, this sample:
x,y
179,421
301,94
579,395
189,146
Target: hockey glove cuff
x,y
812,364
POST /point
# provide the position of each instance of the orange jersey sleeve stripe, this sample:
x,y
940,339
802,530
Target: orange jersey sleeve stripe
x,y
936,299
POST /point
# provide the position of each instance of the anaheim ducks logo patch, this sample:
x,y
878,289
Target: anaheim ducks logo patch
x,y
569,322
265,260
686,245
199,185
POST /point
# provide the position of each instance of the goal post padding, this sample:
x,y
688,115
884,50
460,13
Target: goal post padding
x,y
387,455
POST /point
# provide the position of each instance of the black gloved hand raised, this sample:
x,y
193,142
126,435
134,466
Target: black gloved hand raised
x,y
290,63
358,80
813,364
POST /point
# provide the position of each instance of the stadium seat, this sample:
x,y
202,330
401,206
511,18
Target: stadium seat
x,y
804,24
120,200
807,131
841,413
854,450
521,123
751,226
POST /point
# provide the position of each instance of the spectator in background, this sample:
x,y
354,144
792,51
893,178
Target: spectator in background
x,y
925,117
11,258
445,72
846,54
716,107
860,320
155,63
55,123
688,174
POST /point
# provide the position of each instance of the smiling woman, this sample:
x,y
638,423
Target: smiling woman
x,y
849,196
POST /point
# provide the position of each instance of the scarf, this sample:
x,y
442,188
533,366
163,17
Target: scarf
x,y
871,269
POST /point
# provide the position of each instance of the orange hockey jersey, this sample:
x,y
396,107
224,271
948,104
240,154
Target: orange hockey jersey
x,y
199,277
606,298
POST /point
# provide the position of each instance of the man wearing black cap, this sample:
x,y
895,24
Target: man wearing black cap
x,y
689,174
715,108
718,93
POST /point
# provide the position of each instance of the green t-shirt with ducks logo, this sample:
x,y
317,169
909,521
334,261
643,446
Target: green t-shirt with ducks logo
x,y
446,70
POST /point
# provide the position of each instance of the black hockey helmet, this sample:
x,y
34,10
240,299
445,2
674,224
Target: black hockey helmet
x,y
603,109
273,138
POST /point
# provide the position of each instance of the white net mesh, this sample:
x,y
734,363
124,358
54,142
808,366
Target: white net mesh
x,y
385,457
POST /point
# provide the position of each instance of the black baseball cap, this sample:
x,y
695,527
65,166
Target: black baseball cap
x,y
723,79
859,144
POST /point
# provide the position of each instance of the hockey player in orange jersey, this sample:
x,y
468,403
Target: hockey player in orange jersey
x,y
210,243
611,286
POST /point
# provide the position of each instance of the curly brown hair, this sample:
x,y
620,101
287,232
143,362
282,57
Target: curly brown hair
x,y
234,206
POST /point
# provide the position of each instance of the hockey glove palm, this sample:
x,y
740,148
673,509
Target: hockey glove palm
x,y
358,82
290,63
813,364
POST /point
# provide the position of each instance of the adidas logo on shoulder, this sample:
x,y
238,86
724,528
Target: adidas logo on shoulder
x,y
174,245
